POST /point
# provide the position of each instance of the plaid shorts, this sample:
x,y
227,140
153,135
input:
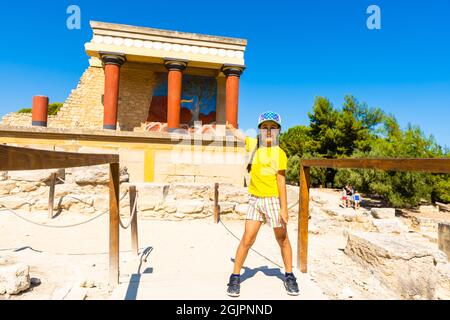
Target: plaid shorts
x,y
265,209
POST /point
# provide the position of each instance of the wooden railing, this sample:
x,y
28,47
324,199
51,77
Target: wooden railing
x,y
420,165
16,158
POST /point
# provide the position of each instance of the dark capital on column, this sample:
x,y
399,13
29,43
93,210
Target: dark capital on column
x,y
112,58
233,70
175,64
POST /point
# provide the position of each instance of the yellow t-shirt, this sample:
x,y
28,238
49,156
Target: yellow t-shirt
x,y
265,165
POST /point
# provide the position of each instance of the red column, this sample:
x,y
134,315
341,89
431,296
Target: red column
x,y
112,65
39,111
233,74
174,90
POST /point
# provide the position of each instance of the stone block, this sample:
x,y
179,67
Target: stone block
x,y
389,226
229,192
65,189
227,207
175,179
241,209
18,201
428,209
191,190
190,206
35,175
95,175
28,186
383,213
444,238
7,186
406,267
14,278
151,194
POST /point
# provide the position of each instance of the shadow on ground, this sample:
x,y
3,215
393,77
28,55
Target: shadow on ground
x,y
135,279
251,272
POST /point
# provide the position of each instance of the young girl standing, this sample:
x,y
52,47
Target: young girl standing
x,y
268,197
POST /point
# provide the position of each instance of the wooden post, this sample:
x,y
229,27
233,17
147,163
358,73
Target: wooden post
x,y
303,216
51,195
216,203
113,224
134,227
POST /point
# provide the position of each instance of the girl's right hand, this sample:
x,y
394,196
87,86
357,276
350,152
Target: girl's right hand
x,y
229,126
236,132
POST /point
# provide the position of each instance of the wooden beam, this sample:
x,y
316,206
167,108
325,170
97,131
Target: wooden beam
x,y
303,217
16,158
114,224
134,226
51,195
435,165
216,203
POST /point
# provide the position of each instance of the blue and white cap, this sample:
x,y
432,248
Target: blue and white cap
x,y
269,116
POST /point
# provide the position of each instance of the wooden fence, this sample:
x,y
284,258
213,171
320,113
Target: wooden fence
x,y
16,158
420,165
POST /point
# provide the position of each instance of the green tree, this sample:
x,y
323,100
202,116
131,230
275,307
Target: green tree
x,y
323,128
355,126
292,171
441,188
358,131
399,189
296,141
53,109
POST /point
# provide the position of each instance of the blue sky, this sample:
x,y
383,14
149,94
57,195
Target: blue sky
x,y
296,50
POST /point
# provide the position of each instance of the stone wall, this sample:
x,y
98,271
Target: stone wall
x,y
85,190
149,157
84,106
22,120
136,88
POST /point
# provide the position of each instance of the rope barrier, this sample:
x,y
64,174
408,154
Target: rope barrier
x,y
260,254
59,227
51,226
64,254
135,210
132,215
293,205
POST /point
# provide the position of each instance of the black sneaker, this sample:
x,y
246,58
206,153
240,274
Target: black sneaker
x,y
290,283
234,286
